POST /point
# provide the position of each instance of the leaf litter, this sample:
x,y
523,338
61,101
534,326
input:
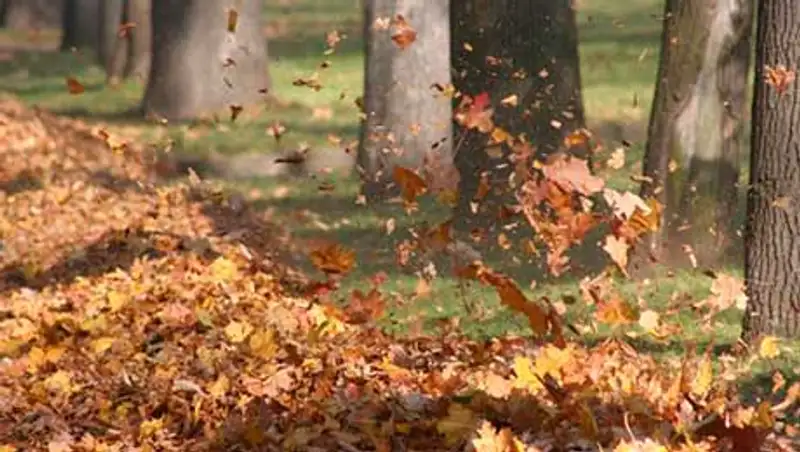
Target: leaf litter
x,y
137,314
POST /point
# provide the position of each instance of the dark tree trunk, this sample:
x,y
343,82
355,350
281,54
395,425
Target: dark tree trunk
x,y
33,14
198,66
81,24
771,246
110,17
698,127
406,117
132,51
522,48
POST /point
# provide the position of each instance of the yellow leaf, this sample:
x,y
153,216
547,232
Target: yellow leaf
x,y
640,446
238,331
704,377
220,387
768,348
459,422
263,344
223,270
523,369
60,381
648,320
150,427
102,344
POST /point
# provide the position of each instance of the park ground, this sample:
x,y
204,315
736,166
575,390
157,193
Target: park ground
x,y
619,53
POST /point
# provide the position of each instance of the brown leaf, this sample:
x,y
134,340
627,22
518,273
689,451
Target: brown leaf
x,y
404,34
333,259
74,86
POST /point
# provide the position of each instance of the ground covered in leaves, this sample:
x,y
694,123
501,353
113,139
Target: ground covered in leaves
x,y
142,314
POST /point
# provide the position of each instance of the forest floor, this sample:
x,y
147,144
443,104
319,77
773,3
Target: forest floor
x,y
619,52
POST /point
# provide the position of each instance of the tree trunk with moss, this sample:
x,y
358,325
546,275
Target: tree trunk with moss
x,y
406,116
523,54
697,129
199,66
772,255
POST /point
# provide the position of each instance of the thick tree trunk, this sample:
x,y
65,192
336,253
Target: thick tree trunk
x,y
110,18
198,66
505,48
406,117
80,24
33,14
772,249
697,127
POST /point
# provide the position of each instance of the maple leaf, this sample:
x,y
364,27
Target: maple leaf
x,y
491,440
333,259
411,184
363,307
573,175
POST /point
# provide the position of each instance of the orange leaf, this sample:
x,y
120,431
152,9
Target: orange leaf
x,y
511,295
74,86
573,175
333,259
404,34
411,184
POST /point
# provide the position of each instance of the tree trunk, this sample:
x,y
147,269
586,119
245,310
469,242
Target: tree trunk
x,y
406,117
110,18
772,253
81,24
505,48
139,50
698,127
33,14
132,51
198,66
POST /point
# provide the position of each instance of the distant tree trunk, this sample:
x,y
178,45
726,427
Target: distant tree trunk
x,y
698,127
406,117
525,50
110,18
198,66
772,254
81,24
33,14
132,51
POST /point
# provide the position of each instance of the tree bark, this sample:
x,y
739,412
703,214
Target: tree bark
x,y
198,66
110,18
33,14
772,250
132,51
80,24
522,48
697,127
406,117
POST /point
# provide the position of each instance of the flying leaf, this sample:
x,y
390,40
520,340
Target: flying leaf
x,y
573,175
333,259
617,249
404,34
233,20
411,184
615,312
74,86
768,348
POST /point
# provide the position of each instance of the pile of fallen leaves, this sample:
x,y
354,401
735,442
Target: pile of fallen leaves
x,y
141,316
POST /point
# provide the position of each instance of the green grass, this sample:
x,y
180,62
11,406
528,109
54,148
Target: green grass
x,y
619,51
